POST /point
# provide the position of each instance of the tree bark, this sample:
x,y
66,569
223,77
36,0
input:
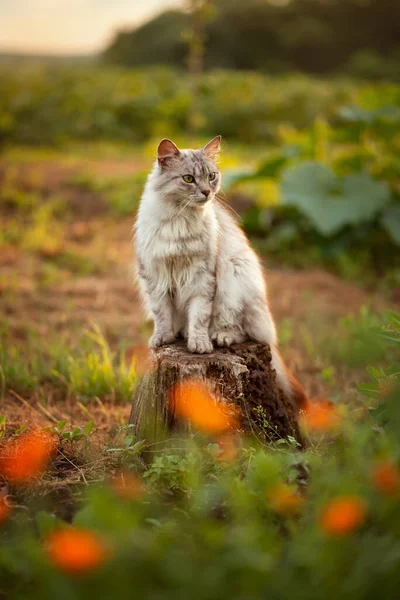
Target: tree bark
x,y
242,375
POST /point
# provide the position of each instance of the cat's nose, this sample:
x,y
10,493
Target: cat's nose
x,y
206,192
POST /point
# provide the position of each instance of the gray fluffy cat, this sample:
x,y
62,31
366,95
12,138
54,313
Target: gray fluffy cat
x,y
198,275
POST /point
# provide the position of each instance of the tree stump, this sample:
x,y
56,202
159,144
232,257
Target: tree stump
x,y
241,375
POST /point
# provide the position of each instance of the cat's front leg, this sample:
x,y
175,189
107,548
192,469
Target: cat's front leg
x,y
199,315
163,314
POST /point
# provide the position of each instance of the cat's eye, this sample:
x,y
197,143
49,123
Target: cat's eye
x,y
212,176
188,178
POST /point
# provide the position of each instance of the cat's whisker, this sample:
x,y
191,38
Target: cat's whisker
x,y
177,211
225,202
183,208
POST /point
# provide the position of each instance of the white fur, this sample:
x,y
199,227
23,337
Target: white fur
x,y
198,275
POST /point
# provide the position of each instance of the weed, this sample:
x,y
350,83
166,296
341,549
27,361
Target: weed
x,y
98,374
94,373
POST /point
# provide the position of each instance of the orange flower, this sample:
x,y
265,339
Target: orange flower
x,y
27,456
193,402
75,551
284,500
127,486
4,510
386,477
320,416
343,515
228,449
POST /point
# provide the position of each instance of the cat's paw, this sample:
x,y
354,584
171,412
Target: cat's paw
x,y
160,339
200,345
227,338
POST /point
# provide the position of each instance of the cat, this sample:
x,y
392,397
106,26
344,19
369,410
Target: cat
x,y
198,276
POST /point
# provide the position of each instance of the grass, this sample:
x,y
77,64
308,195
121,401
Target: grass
x,y
92,371
353,345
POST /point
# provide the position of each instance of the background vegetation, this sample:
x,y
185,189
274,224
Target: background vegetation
x,y
360,38
318,179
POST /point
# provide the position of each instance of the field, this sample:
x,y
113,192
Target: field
x,y
74,344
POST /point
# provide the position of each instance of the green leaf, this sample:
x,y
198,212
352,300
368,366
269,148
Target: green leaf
x,y
390,336
371,390
230,178
268,169
359,115
393,318
46,522
89,428
60,426
376,373
271,168
331,202
391,222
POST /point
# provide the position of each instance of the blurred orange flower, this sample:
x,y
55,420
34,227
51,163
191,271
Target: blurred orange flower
x,y
284,500
4,510
343,515
320,416
75,551
228,448
127,486
193,402
27,456
386,477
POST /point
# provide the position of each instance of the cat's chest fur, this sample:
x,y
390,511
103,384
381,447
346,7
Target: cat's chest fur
x,y
177,250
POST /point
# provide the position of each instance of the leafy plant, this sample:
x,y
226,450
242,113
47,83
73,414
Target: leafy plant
x,y
77,433
331,203
385,385
92,370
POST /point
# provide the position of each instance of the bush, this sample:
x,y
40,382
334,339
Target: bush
x,y
46,105
332,189
368,64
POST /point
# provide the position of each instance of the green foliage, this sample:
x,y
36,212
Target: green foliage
x,y
301,35
130,449
168,47
76,434
98,373
356,342
123,196
330,193
171,470
222,536
386,380
44,105
193,523
327,194
92,370
391,222
331,203
369,64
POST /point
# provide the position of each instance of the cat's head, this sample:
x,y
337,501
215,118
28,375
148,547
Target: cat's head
x,y
188,177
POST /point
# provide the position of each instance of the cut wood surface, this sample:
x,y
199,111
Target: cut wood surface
x,y
241,376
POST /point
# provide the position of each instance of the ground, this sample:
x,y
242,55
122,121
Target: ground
x,y
60,276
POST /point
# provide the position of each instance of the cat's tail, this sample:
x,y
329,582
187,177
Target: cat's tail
x,y
287,382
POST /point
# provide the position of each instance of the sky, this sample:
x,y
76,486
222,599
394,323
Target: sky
x,y
70,26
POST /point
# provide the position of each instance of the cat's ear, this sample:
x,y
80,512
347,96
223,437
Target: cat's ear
x,y
212,148
166,149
